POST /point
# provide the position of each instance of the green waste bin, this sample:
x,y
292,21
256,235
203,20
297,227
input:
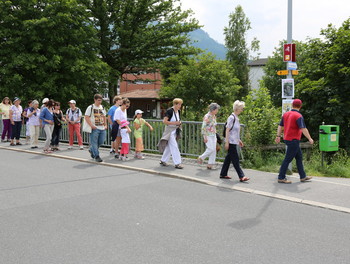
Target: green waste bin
x,y
329,138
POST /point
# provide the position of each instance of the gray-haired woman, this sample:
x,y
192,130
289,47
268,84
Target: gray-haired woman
x,y
233,129
209,136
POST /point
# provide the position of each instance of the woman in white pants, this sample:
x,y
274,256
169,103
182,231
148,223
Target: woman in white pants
x,y
209,136
33,115
169,139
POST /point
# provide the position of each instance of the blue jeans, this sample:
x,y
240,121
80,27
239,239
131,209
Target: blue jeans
x,y
97,138
293,151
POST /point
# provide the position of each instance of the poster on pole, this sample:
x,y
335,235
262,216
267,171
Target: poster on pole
x,y
286,105
287,88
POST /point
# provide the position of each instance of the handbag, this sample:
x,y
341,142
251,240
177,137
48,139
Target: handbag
x,y
86,127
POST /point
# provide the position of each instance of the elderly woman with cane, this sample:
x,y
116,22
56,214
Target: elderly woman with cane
x,y
209,136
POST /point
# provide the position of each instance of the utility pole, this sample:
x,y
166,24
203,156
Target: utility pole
x,y
290,31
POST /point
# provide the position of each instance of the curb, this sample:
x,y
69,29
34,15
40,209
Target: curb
x,y
195,180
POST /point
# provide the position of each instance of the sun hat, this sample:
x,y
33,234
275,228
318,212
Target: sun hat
x,y
138,111
124,123
72,102
16,99
45,100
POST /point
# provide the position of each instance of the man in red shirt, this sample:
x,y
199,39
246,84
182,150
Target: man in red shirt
x,y
293,124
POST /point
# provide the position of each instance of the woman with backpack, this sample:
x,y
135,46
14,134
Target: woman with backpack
x,y
73,117
209,136
232,139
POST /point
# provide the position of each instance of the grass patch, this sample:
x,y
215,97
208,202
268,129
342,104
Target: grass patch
x,y
335,164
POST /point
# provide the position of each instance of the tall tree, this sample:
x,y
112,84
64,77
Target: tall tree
x,y
48,48
201,81
137,34
237,48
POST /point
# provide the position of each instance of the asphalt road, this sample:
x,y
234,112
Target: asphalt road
x,y
60,211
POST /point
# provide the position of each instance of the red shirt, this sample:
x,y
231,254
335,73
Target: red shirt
x,y
293,122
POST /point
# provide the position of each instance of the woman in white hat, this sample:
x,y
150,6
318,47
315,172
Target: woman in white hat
x,y
16,121
139,123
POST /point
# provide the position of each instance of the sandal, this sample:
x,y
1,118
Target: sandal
x,y
225,177
244,179
179,166
199,160
163,163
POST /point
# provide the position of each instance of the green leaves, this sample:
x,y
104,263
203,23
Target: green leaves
x,y
201,81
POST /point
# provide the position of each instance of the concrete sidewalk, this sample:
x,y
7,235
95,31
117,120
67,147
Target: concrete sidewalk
x,y
329,193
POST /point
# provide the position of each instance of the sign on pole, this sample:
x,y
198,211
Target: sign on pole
x,y
287,88
289,52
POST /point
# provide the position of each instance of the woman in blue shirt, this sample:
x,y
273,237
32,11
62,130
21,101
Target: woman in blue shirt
x,y
46,116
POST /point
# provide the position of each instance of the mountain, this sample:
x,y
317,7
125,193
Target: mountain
x,y
202,40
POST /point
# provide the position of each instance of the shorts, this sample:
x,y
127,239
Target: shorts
x,y
115,131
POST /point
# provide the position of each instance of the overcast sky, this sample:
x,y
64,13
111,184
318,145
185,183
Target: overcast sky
x,y
269,18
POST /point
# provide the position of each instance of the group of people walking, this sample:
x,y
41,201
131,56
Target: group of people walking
x,y
96,119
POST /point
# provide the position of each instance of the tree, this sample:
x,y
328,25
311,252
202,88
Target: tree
x,y
137,34
203,81
260,118
48,48
237,49
324,80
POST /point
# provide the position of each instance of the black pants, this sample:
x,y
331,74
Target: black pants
x,y
16,130
232,156
56,135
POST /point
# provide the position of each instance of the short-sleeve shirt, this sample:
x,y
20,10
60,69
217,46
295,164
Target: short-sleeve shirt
x,y
74,115
125,136
172,117
138,132
120,115
34,120
209,125
233,122
16,113
111,112
293,122
98,112
5,108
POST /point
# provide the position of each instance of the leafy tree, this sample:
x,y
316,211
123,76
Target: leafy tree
x,y
48,48
137,34
237,48
203,81
260,118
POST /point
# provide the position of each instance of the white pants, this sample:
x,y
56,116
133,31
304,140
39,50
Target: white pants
x,y
48,131
172,149
210,150
34,135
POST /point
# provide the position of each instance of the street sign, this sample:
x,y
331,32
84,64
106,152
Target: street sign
x,y
295,72
292,65
283,72
289,52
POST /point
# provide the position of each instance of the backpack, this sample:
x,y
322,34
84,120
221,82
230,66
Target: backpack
x,y
225,126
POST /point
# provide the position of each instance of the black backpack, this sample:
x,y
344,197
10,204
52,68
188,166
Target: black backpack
x,y
225,126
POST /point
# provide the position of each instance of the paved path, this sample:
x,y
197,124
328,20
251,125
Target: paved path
x,y
65,211
329,193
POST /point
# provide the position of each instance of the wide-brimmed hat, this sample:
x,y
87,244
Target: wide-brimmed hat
x,y
124,123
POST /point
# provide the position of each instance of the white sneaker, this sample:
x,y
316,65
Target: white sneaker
x,y
126,158
123,158
81,147
70,147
